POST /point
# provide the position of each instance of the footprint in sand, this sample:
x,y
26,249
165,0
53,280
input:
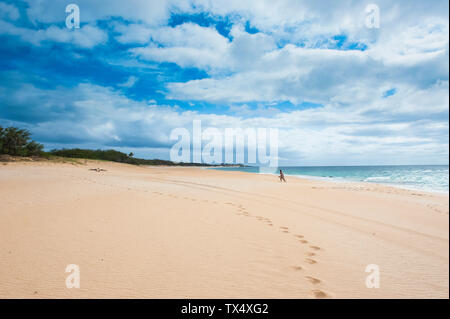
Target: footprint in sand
x,y
315,247
297,268
313,280
310,254
319,294
284,227
303,241
310,261
299,236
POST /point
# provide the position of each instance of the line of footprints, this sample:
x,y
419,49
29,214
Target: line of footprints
x,y
312,249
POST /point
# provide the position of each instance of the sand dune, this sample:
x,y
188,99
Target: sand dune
x,y
160,232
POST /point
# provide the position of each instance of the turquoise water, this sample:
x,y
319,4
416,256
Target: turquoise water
x,y
433,178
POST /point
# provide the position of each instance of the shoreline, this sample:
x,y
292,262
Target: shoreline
x,y
346,180
189,232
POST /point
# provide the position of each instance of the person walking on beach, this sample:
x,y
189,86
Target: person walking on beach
x,y
282,176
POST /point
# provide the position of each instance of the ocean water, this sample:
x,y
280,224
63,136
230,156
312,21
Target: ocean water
x,y
432,178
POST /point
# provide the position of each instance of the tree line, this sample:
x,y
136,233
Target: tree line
x,y
17,142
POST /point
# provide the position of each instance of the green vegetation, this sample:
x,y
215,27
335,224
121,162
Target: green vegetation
x,y
16,142
107,155
115,156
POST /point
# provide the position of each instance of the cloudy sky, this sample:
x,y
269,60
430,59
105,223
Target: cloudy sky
x,y
339,93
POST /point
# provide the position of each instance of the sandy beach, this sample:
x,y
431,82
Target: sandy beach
x,y
173,232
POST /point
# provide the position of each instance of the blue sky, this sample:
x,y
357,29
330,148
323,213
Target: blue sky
x,y
339,93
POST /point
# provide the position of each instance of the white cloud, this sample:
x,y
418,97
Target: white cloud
x,y
295,74
151,12
289,74
188,45
328,135
87,36
413,45
293,58
8,11
132,33
251,67
130,82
